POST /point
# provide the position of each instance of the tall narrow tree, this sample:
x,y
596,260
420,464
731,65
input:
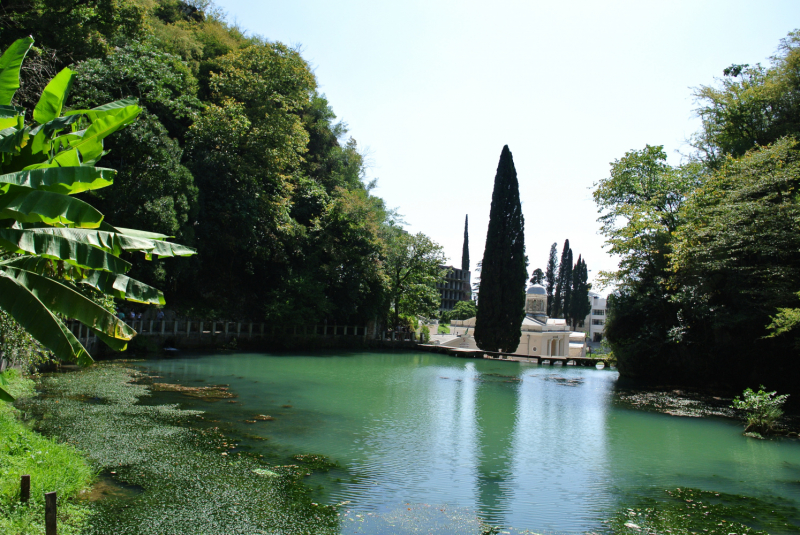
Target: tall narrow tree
x,y
465,248
566,299
580,305
558,296
550,276
504,266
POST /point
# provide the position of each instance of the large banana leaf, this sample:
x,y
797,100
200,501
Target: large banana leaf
x,y
53,97
61,244
4,395
90,144
60,298
116,242
105,109
35,206
10,62
123,287
40,323
114,284
65,180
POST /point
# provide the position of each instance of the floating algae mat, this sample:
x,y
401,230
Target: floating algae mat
x,y
164,470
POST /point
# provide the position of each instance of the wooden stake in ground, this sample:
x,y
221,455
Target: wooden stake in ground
x,y
50,513
25,488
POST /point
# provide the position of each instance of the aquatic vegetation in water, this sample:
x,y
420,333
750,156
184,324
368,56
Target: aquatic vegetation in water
x,y
676,403
317,463
693,511
193,478
207,393
762,410
563,381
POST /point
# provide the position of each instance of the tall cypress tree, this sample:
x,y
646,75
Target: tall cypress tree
x,y
558,297
550,276
465,249
501,300
567,297
580,304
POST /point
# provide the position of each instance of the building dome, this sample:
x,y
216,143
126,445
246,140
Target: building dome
x,y
537,289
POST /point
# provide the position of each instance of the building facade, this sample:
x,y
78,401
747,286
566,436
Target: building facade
x,y
540,335
594,324
456,287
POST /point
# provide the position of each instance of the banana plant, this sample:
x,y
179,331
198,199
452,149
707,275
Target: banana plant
x,y
50,241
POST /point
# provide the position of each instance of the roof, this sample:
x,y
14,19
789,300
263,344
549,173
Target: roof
x,y
537,289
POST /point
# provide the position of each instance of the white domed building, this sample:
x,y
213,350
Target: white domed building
x,y
540,335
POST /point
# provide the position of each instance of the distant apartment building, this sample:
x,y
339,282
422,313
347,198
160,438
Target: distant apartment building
x,y
456,287
594,324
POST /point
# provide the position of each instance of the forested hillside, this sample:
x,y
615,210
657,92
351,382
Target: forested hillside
x,y
235,153
710,249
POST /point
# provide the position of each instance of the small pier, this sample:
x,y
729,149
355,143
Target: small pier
x,y
509,357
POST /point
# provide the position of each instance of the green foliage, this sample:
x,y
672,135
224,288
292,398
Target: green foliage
x,y
234,151
785,321
85,28
750,106
551,276
50,241
709,250
504,265
464,310
580,305
762,409
443,328
563,292
413,267
537,277
52,466
425,334
17,346
640,210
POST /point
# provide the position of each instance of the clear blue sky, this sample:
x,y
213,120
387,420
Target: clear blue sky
x,y
433,90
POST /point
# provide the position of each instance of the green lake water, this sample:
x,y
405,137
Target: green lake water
x,y
523,446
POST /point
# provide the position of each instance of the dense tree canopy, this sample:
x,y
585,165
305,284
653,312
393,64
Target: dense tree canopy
x,y
235,153
706,290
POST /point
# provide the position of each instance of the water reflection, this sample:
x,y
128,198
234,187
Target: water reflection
x,y
545,449
496,410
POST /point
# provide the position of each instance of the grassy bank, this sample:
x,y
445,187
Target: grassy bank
x,y
52,467
166,471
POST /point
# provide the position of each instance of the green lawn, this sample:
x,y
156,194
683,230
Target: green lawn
x,y
444,328
52,467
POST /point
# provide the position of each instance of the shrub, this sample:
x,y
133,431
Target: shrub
x,y
425,334
762,409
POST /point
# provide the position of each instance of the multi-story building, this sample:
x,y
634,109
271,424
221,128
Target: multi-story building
x,y
594,324
456,287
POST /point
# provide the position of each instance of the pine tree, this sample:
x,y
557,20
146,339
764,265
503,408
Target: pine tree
x,y
537,277
504,272
465,249
558,296
551,276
